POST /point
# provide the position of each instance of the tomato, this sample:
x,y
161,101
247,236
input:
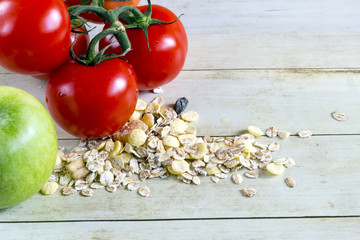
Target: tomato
x,y
92,101
80,48
168,49
108,4
34,35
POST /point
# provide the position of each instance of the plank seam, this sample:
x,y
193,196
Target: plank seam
x,y
185,219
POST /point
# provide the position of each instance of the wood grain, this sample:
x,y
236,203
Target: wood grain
x,y
260,229
292,100
327,176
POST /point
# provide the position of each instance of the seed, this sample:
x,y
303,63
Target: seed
x,y
290,182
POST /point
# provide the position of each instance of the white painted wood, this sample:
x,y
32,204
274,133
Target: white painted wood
x,y
327,175
272,51
261,16
292,100
296,229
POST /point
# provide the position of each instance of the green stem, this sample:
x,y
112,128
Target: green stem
x,y
91,53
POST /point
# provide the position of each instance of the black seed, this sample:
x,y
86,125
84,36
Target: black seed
x,y
180,105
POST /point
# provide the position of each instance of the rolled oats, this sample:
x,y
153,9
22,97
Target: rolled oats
x,y
339,116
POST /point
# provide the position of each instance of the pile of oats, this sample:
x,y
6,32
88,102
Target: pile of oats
x,y
159,141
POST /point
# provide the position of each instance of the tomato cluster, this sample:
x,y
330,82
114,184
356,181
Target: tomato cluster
x,y
90,99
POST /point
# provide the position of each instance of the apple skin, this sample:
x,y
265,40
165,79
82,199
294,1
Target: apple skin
x,y
28,146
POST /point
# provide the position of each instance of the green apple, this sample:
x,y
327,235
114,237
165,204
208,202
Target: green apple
x,y
28,146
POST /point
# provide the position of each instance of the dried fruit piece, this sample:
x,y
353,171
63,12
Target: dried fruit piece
x,y
339,116
290,182
249,192
135,116
148,119
178,126
49,188
190,116
200,151
137,137
212,169
171,141
180,105
179,167
77,169
257,132
305,134
275,169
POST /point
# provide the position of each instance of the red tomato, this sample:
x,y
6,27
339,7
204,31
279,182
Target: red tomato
x,y
168,49
34,35
80,48
92,101
108,4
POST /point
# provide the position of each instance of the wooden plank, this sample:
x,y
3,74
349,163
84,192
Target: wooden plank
x,y
272,51
292,100
259,16
308,228
327,176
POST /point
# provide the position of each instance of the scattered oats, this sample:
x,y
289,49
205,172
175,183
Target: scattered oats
x,y
339,116
290,182
159,100
283,134
305,134
158,90
237,178
274,146
66,191
144,191
271,132
249,192
257,132
290,162
220,175
87,192
133,186
65,179
196,180
158,141
96,185
260,145
252,174
214,179
262,166
111,188
126,181
80,185
54,177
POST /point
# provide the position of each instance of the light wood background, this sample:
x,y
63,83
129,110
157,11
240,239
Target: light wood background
x,y
252,62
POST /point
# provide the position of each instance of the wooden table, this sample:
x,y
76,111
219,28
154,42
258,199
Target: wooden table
x,y
281,63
